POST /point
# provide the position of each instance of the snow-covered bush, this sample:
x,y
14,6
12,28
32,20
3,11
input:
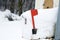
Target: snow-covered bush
x,y
8,16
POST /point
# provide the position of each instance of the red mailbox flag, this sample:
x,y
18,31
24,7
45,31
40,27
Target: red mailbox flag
x,y
34,12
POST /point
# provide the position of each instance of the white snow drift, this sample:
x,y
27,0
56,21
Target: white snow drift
x,y
10,30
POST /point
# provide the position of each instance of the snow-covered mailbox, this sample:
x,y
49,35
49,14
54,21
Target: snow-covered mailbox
x,y
44,23
20,28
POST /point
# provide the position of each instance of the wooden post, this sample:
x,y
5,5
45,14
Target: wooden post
x,y
48,4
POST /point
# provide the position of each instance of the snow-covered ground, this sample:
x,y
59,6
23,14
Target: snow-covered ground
x,y
10,30
18,30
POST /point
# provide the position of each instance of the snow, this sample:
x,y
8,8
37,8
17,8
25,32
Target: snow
x,y
10,30
18,30
6,14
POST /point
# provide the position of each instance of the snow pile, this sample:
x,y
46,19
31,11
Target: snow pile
x,y
7,15
2,16
11,30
